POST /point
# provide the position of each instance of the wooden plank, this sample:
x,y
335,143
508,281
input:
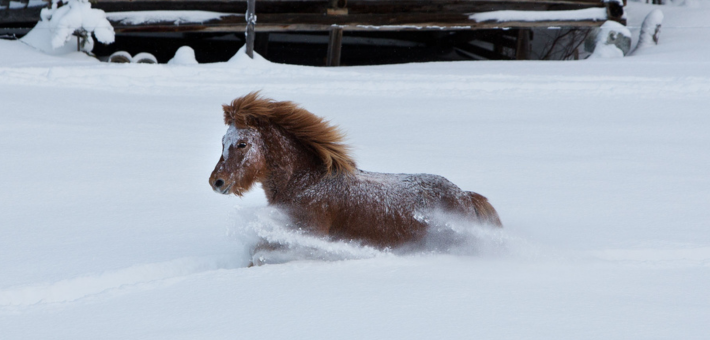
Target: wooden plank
x,y
421,2
353,6
416,4
444,20
380,22
226,6
470,6
323,28
352,3
364,19
335,43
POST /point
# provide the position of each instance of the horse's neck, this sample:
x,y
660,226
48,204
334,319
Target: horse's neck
x,y
287,162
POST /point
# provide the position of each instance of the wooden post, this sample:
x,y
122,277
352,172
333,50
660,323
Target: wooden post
x,y
523,46
334,45
251,23
81,36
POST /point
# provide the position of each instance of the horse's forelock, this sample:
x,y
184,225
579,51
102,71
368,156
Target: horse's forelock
x,y
248,110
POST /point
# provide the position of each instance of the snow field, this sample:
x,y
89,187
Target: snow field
x,y
597,168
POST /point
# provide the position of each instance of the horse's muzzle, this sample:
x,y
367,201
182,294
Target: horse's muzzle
x,y
219,186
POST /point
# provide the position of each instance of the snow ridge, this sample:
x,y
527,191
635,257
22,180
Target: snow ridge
x,y
94,284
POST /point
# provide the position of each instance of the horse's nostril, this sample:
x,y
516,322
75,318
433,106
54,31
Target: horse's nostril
x,y
219,183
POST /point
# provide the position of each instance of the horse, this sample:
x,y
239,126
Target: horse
x,y
307,172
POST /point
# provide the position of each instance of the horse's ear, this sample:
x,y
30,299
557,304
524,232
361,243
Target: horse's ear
x,y
228,120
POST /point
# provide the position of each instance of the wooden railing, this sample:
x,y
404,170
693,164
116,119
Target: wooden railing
x,y
352,6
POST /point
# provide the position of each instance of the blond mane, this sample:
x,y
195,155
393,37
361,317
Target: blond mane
x,y
312,131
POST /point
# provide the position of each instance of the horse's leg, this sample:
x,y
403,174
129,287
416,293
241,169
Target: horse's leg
x,y
262,246
314,220
304,219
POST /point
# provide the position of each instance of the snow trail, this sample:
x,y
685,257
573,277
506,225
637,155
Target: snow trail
x,y
456,235
78,288
448,234
270,224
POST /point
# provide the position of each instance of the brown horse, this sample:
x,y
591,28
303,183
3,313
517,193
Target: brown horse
x,y
306,171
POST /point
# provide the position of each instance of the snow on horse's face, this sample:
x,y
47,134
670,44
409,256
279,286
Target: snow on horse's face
x,y
242,162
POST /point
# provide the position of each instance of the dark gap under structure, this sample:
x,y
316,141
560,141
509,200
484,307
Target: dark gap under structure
x,y
311,48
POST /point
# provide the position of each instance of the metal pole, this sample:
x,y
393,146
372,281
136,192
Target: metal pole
x,y
251,23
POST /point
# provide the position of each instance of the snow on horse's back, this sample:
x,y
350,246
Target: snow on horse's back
x,y
306,171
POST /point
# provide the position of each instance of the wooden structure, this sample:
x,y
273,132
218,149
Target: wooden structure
x,y
338,16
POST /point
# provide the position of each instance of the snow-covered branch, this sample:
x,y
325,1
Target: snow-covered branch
x,y
76,15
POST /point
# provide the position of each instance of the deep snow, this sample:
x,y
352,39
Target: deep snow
x,y
598,168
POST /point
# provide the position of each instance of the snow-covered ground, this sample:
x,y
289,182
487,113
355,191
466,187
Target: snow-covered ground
x,y
599,170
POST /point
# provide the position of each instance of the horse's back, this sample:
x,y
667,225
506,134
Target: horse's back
x,y
439,193
389,210
452,199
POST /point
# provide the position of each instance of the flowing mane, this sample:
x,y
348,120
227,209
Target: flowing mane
x,y
323,139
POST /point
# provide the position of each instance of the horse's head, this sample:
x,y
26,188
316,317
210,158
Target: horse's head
x,y
242,162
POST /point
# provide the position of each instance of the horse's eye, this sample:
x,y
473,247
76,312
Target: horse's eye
x,y
242,145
